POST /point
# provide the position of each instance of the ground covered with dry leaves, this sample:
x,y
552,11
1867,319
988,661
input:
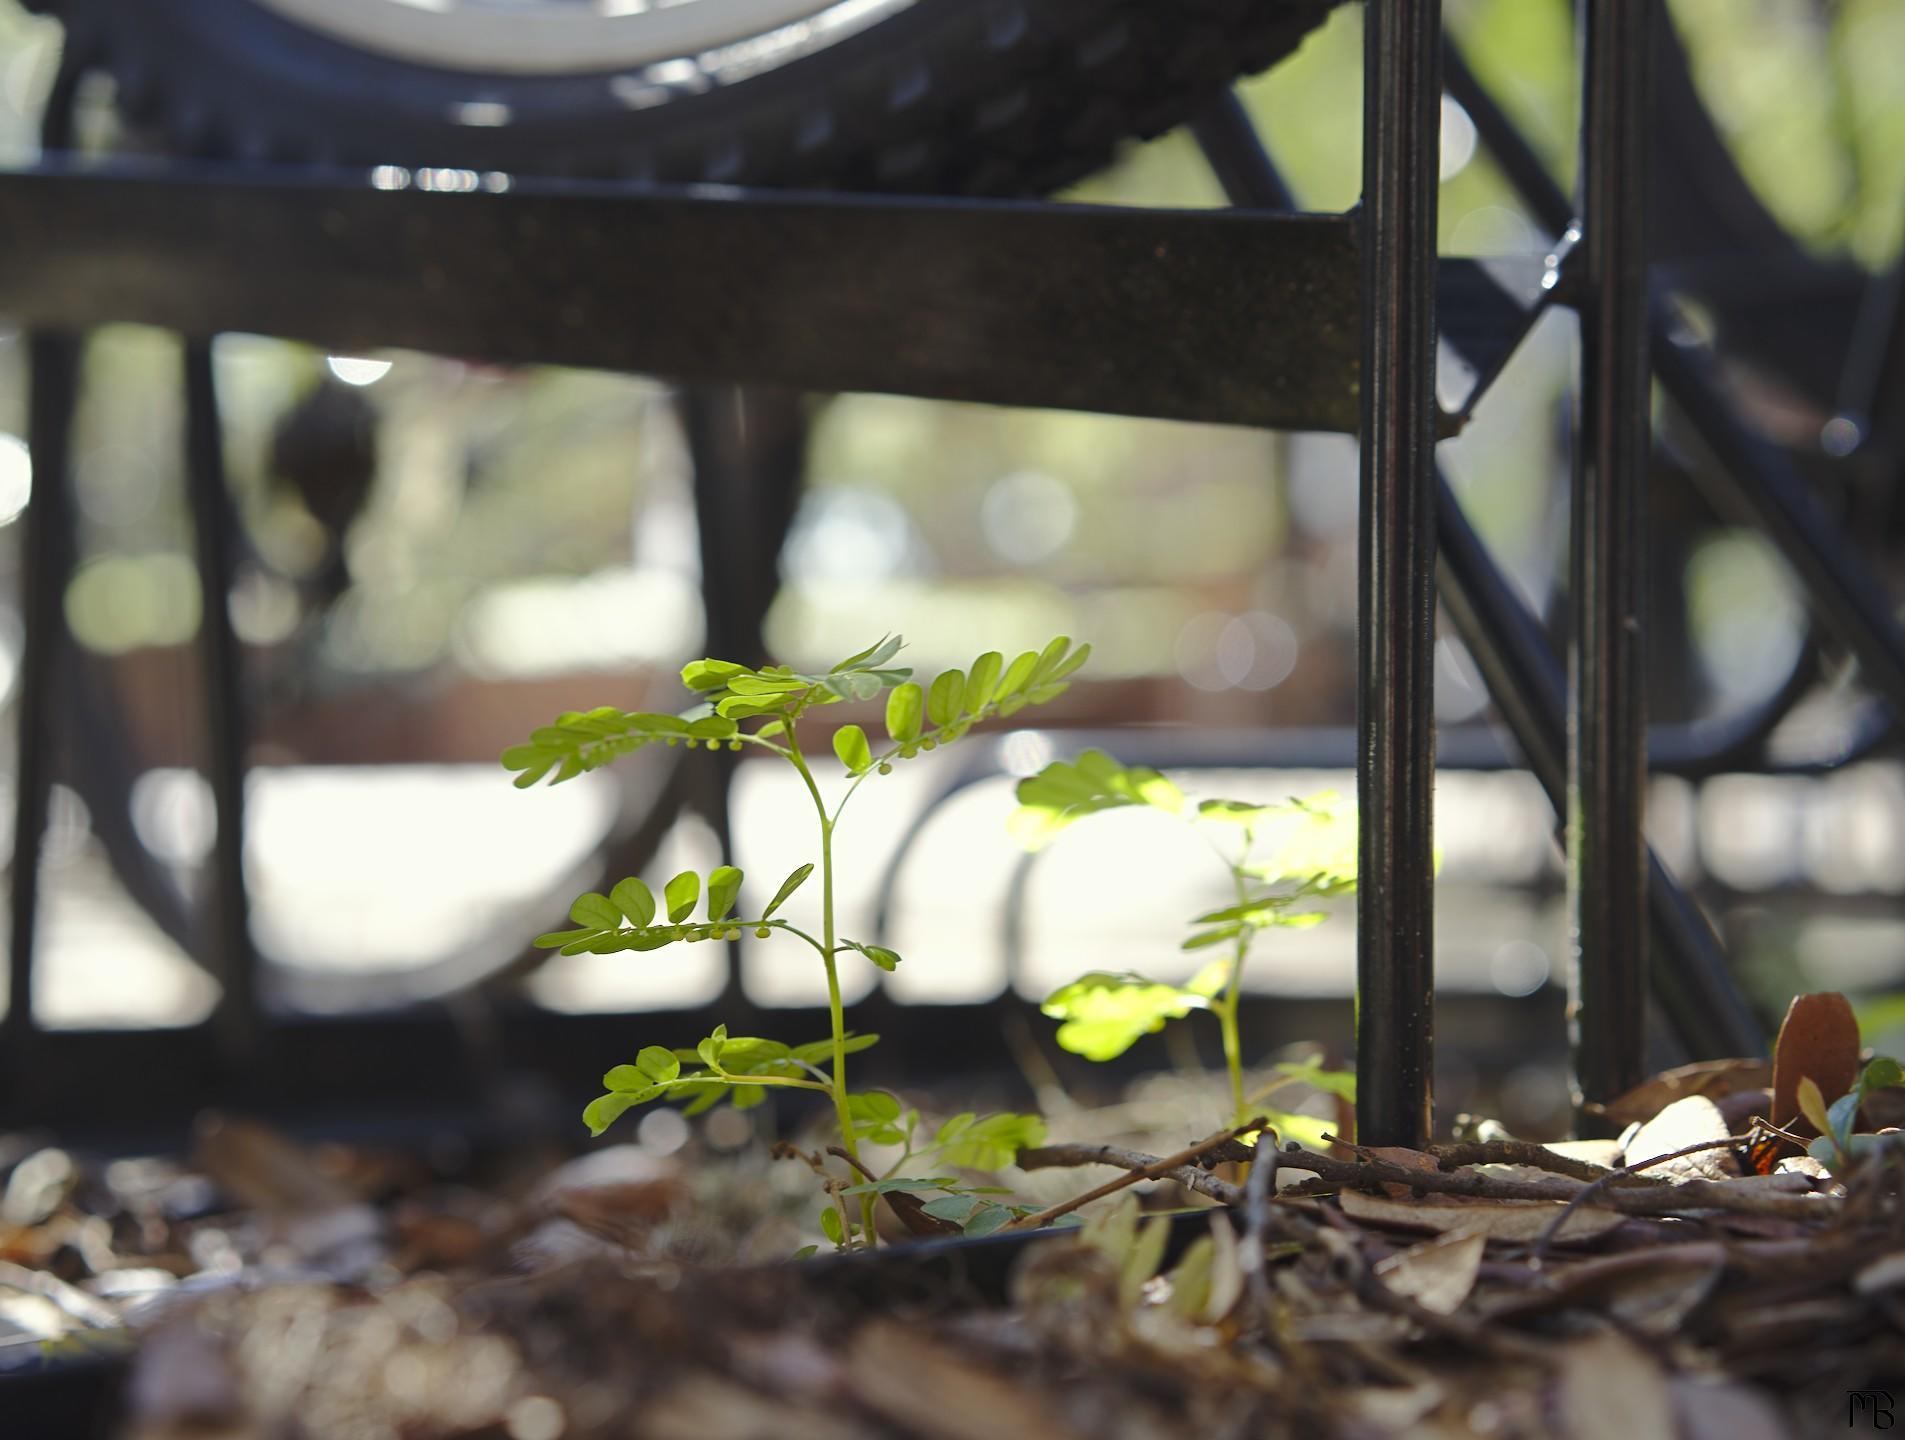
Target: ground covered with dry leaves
x,y
1493,1287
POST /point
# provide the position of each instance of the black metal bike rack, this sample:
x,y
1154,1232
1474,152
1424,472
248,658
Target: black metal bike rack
x,y
1253,316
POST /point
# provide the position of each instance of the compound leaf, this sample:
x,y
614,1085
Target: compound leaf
x,y
1104,1014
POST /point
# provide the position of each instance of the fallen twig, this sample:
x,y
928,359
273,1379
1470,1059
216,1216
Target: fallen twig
x,y
1152,1170
1600,1184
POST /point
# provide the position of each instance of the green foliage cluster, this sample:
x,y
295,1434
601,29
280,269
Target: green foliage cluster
x,y
764,708
1282,859
1838,1146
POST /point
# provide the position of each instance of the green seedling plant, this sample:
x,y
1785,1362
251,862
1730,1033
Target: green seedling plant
x,y
769,709
1281,861
1838,1147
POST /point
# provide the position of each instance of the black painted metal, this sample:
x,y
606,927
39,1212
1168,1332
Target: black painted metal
x,y
46,563
1529,689
1752,479
1695,988
222,696
1395,897
1607,726
1178,314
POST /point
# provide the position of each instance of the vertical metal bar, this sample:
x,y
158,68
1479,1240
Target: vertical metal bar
x,y
1402,98
46,563
1752,479
1607,738
1696,992
221,687
1527,683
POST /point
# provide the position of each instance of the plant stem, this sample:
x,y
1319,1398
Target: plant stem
x,y
1227,1011
828,953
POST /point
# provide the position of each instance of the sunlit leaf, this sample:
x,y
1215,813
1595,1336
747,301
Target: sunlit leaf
x,y
1340,1083
596,911
850,744
634,900
724,883
981,680
681,893
560,939
904,708
991,1141
1066,791
1104,1014
945,697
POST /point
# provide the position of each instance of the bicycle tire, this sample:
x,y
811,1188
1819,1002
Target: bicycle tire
x,y
972,97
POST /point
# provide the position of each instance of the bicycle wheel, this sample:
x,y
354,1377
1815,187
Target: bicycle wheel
x,y
946,96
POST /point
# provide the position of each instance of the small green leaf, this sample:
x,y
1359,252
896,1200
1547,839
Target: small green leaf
x,y
788,887
991,1141
831,1227
1813,1105
874,656
873,1105
944,699
886,959
1048,660
710,674
1884,1073
981,680
1340,1083
903,711
1065,792
953,1127
956,1208
1104,1014
561,939
816,1051
681,893
595,911
634,900
885,1187
724,883
850,744
1016,674
605,1110
658,1063
986,1220
806,1252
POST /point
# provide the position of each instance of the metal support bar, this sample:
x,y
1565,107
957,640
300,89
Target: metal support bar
x,y
1751,479
1529,689
46,563
1696,990
1395,714
1607,751
221,694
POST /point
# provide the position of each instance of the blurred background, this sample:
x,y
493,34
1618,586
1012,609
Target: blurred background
x,y
440,556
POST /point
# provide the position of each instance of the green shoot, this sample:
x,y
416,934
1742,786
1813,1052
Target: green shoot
x,y
769,709
1281,859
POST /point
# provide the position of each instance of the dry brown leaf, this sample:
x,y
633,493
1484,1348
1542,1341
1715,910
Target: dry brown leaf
x,y
1516,1220
705,1406
1437,1274
1712,1078
1695,1120
1608,1388
1818,1041
263,1169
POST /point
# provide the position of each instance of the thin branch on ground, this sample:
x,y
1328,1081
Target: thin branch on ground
x,y
1157,1169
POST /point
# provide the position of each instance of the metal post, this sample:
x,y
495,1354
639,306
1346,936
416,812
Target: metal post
x,y
1526,681
232,958
1607,742
46,563
1395,715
